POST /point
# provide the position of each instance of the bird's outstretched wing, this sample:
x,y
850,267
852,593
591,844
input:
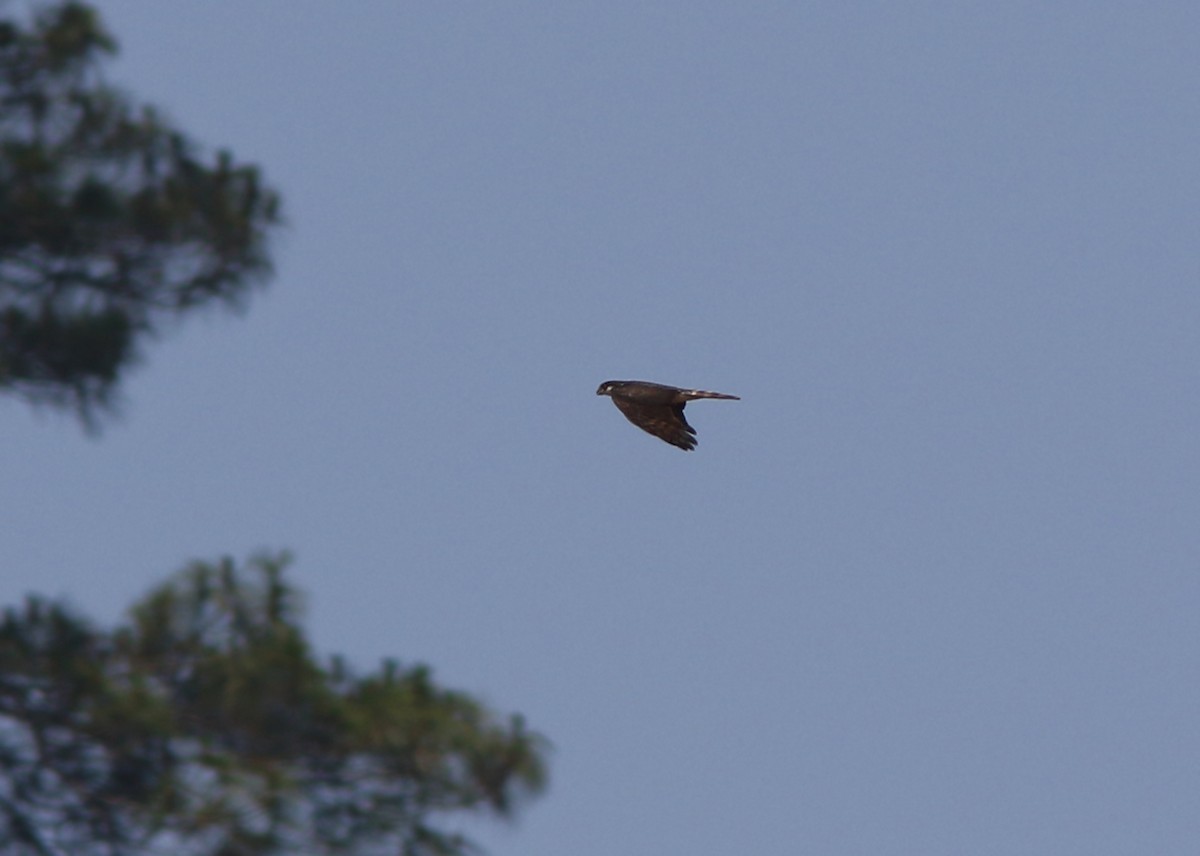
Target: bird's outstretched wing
x,y
665,421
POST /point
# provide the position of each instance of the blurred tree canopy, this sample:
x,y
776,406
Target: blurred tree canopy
x,y
111,223
204,725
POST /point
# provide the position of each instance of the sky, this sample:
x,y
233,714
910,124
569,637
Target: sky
x,y
931,587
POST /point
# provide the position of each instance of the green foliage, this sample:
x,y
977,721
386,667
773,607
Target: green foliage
x,y
205,725
111,223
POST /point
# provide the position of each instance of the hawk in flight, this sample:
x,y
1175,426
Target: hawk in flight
x,y
658,409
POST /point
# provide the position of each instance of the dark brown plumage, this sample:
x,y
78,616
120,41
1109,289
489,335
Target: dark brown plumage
x,y
657,408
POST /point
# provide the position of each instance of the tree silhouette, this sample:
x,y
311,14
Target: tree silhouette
x,y
205,726
111,223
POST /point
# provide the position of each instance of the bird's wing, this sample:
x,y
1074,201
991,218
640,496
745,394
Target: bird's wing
x,y
663,421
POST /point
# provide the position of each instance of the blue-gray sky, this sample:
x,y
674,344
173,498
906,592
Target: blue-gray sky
x,y
930,588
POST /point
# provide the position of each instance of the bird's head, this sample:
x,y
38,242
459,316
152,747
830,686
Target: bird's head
x,y
607,387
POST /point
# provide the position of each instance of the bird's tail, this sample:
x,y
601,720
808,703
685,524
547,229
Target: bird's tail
x,y
700,393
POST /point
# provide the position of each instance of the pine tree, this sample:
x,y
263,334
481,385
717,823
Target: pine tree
x,y
205,725
111,221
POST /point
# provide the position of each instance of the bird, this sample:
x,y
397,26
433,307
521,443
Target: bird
x,y
657,408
